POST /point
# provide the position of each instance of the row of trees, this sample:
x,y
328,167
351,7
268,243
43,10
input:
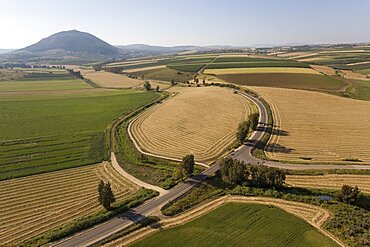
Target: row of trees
x,y
246,126
237,172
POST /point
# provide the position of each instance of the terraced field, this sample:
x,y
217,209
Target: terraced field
x,y
32,205
239,224
110,80
202,121
331,181
40,135
317,127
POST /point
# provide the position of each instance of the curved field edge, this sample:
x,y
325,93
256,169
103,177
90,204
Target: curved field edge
x,y
206,150
150,169
314,215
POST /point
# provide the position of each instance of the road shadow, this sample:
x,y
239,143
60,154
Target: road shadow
x,y
140,219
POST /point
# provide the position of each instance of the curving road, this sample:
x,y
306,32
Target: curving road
x,y
118,223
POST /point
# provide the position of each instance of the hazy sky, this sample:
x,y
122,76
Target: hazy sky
x,y
198,22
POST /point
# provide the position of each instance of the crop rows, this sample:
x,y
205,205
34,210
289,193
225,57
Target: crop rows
x,y
186,67
332,181
318,127
187,124
32,205
35,155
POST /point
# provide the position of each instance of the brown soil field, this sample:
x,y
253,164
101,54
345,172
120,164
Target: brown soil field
x,y
200,120
285,80
32,205
318,127
330,181
110,80
324,69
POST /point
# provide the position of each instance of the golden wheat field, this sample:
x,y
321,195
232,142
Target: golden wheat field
x,y
110,80
318,127
330,181
32,205
261,70
200,120
324,69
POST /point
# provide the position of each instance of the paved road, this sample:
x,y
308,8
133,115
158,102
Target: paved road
x,y
120,222
244,152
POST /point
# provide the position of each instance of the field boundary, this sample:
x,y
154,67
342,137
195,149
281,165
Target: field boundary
x,y
314,215
150,154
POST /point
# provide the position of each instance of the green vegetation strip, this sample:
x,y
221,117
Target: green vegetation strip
x,y
240,224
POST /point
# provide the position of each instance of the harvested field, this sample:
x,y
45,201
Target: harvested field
x,y
187,123
110,80
317,127
8,74
260,70
235,224
32,205
348,74
324,69
144,69
330,181
286,80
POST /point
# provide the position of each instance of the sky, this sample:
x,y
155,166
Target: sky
x,y
188,22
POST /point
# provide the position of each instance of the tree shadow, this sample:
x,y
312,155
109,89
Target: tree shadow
x,y
137,218
273,148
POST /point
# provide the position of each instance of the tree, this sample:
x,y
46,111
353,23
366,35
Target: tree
x,y
348,194
254,117
157,88
243,130
188,164
233,171
147,86
204,81
173,82
106,196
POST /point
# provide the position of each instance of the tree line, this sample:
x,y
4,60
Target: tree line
x,y
246,126
238,172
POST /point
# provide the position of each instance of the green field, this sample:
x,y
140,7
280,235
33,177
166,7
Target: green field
x,y
186,67
165,74
359,90
42,135
42,85
241,225
364,71
285,80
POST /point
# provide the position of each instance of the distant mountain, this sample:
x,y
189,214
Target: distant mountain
x,y
71,42
2,51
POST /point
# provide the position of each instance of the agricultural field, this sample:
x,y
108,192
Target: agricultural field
x,y
286,80
20,80
236,224
308,130
32,205
187,124
193,68
164,74
110,80
364,72
261,70
324,69
358,89
330,181
46,134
